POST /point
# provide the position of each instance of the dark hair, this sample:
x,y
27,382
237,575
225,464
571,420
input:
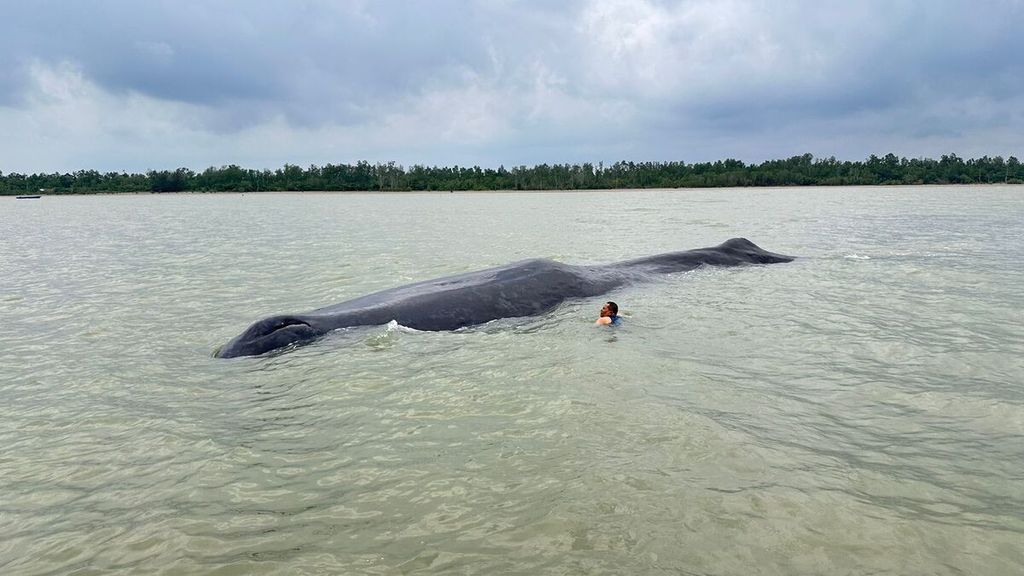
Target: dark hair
x,y
614,308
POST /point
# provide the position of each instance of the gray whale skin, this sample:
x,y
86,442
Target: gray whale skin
x,y
524,288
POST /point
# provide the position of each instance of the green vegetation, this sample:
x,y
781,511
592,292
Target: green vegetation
x,y
796,171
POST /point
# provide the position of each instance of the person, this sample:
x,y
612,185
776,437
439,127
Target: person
x,y
609,314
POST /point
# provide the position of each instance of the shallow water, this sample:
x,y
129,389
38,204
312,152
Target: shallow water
x,y
860,410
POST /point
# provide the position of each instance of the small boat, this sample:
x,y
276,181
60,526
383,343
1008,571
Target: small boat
x,y
27,197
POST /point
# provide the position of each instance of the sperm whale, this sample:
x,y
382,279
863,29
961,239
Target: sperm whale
x,y
525,288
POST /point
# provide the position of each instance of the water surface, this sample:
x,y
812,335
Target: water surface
x,y
860,410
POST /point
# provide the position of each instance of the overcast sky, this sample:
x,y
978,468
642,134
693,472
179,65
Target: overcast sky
x,y
133,85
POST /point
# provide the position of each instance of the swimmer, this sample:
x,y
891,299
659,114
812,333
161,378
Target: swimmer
x,y
609,314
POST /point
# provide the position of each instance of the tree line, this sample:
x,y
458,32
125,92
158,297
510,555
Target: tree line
x,y
802,170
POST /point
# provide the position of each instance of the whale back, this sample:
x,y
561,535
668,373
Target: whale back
x,y
524,288
732,252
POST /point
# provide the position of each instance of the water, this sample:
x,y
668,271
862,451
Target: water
x,y
860,410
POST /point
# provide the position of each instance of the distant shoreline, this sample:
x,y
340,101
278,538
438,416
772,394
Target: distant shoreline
x,y
803,170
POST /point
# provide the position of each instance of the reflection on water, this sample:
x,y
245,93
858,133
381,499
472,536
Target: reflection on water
x,y
858,410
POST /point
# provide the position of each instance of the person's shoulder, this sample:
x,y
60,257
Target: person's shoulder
x,y
603,320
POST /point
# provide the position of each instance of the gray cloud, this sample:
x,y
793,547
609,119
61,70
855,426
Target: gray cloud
x,y
156,84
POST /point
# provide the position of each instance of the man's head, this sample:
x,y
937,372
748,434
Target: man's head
x,y
610,309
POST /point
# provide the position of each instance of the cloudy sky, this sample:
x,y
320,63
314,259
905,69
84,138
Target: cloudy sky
x,y
133,85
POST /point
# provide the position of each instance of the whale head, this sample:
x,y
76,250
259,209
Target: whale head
x,y
270,334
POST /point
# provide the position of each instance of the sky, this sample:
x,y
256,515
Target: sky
x,y
124,85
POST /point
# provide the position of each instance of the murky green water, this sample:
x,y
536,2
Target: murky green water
x,y
860,410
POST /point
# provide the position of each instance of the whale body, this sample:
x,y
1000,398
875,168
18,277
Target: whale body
x,y
524,288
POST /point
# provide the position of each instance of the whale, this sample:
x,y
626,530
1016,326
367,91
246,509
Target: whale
x,y
526,288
